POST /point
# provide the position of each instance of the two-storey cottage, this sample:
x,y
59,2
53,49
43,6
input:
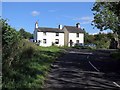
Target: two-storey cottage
x,y
61,36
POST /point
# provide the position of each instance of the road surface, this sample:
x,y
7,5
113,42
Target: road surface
x,y
84,69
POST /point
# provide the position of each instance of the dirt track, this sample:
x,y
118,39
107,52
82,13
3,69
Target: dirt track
x,y
84,69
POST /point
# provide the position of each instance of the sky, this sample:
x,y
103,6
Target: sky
x,y
48,14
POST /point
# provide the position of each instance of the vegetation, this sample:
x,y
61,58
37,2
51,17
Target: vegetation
x,y
24,64
0,57
101,40
82,47
116,55
25,35
107,16
88,38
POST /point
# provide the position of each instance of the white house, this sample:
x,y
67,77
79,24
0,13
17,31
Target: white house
x,y
66,36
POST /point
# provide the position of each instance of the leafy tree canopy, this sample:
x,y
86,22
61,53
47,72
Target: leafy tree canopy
x,y
25,34
107,16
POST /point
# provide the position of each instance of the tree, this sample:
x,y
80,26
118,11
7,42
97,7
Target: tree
x,y
10,48
102,40
88,38
10,40
25,34
107,16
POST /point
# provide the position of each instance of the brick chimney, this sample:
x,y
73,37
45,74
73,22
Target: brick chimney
x,y
78,25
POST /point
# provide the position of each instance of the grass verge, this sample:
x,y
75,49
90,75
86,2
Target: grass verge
x,y
30,66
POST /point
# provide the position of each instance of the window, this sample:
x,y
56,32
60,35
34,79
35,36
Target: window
x,y
77,34
39,41
44,41
57,34
44,33
56,41
77,41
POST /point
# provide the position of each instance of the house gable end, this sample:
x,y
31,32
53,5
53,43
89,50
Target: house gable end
x,y
73,29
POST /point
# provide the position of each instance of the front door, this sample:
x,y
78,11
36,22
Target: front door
x,y
71,43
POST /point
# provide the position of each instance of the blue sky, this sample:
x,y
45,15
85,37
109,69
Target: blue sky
x,y
49,14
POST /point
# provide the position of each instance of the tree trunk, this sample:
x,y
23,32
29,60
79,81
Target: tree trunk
x,y
116,35
119,43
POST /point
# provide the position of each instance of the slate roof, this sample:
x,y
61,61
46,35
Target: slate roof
x,y
45,29
73,29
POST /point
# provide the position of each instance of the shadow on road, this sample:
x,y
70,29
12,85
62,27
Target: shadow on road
x,y
76,69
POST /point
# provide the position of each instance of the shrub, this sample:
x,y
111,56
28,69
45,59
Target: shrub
x,y
24,63
116,55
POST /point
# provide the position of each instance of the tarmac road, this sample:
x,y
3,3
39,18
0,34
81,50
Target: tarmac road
x,y
84,69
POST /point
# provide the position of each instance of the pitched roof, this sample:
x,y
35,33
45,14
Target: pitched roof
x,y
73,29
45,29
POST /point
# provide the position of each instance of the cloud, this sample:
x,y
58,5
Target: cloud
x,y
84,20
65,16
35,13
93,33
51,10
87,18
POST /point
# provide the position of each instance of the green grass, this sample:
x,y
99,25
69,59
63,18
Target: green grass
x,y
51,48
30,66
0,81
84,47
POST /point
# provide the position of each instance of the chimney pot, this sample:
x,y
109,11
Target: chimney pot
x,y
60,27
36,24
78,25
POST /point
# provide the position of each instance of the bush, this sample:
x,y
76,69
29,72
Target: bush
x,y
30,67
24,64
82,47
115,55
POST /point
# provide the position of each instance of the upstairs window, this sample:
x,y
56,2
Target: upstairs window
x,y
77,41
77,34
56,41
44,33
57,34
44,41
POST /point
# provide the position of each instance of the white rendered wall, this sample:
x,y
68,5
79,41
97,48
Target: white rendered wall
x,y
73,37
50,37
